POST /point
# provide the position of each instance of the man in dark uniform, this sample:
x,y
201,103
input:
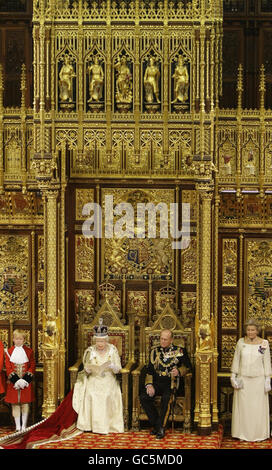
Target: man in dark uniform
x,y
167,363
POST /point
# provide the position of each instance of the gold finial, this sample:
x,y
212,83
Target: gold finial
x,y
1,86
168,293
106,290
262,87
240,88
23,86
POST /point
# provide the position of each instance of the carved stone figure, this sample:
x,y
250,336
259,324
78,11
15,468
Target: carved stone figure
x,y
151,82
250,166
96,80
66,76
181,82
227,164
123,82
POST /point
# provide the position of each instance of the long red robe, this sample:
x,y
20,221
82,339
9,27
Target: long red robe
x,y
2,373
25,395
61,424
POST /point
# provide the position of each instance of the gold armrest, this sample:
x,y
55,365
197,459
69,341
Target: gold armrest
x,y
127,368
74,367
138,370
188,375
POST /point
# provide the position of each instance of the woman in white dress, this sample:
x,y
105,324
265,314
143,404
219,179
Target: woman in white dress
x,y
97,396
250,378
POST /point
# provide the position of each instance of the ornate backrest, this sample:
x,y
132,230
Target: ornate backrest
x,y
168,320
118,332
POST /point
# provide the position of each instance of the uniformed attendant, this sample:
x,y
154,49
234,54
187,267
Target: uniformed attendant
x,y
20,367
167,363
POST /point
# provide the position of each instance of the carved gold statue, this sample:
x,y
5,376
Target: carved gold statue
x,y
123,82
66,76
96,80
181,82
51,331
151,82
204,330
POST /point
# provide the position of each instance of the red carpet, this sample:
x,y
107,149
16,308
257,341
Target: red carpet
x,y
143,440
230,443
134,440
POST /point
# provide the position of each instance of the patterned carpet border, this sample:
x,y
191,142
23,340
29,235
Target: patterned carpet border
x,y
139,440
133,440
143,440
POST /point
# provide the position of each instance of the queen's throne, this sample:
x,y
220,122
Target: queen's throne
x,y
119,334
150,338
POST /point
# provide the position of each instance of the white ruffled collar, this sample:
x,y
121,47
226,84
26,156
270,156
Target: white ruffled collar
x,y
18,355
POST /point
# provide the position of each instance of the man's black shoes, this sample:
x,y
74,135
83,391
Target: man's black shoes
x,y
153,432
160,434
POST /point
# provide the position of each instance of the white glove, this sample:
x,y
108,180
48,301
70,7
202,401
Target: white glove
x,y
88,370
115,369
267,384
234,382
21,383
25,383
17,385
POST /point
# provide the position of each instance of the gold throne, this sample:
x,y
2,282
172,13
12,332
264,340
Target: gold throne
x,y
121,336
150,338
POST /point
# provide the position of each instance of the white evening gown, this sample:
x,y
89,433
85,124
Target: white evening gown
x,y
250,410
97,398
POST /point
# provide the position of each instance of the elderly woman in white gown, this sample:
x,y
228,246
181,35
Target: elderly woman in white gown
x,y
97,396
250,378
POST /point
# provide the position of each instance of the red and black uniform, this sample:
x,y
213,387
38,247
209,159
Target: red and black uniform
x,y
2,373
20,371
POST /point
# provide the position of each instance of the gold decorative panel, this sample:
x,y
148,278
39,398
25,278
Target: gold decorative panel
x,y
188,309
138,258
229,311
137,301
13,154
160,302
40,258
84,259
268,209
14,277
229,209
83,196
190,197
253,209
228,348
41,306
259,280
40,342
16,207
189,263
4,337
85,304
229,262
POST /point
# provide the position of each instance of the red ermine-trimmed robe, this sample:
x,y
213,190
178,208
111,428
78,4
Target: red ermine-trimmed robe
x,y
20,371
